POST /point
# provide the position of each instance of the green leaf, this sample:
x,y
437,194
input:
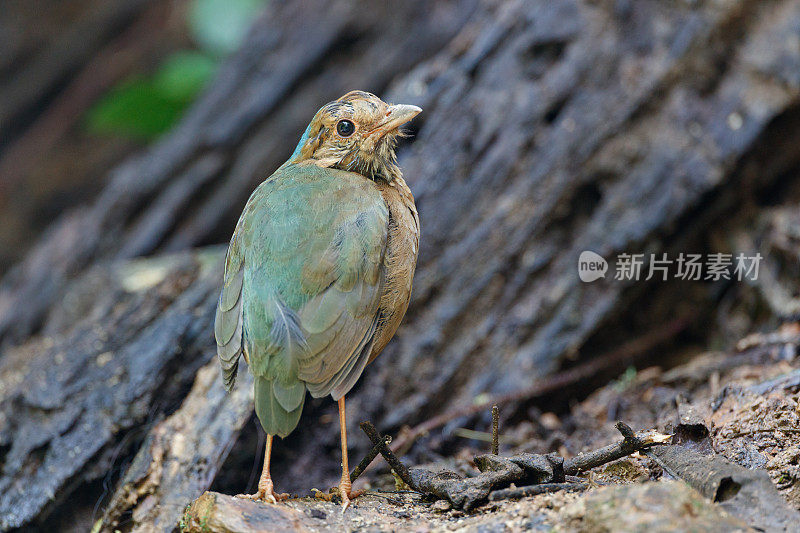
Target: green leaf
x,y
133,109
184,74
218,26
145,107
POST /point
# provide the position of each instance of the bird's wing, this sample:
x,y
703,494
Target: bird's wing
x,y
313,242
228,320
342,317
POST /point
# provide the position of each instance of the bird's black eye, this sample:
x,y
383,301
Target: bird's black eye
x,y
345,128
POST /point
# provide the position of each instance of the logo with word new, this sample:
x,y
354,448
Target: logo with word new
x,y
591,266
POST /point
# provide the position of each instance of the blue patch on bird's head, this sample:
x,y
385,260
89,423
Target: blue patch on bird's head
x,y
302,143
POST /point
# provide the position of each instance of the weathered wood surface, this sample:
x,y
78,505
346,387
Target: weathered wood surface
x,y
549,127
136,333
181,455
745,493
219,513
39,61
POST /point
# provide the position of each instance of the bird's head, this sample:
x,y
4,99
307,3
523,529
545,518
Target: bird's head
x,y
358,132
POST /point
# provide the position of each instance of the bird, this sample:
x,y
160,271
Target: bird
x,y
318,272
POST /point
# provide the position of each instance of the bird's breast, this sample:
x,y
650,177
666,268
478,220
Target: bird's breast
x,y
400,260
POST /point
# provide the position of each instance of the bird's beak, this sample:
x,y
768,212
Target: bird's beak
x,y
396,116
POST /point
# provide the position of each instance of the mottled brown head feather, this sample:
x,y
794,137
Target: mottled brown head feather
x,y
369,149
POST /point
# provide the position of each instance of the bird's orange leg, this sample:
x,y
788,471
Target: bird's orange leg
x,y
344,485
266,491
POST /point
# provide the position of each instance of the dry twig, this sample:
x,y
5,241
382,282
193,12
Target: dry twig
x,y
379,442
533,490
367,460
495,430
630,443
540,473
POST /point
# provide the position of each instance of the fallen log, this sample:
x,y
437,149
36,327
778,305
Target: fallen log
x,y
181,456
549,128
746,494
70,404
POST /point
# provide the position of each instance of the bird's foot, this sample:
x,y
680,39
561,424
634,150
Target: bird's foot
x,y
339,493
266,493
268,497
346,494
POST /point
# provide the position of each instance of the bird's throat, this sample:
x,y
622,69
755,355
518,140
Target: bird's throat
x,y
378,163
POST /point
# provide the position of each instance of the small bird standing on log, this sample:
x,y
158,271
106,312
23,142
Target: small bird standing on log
x,y
318,272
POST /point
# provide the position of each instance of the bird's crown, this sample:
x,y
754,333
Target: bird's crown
x,y
358,132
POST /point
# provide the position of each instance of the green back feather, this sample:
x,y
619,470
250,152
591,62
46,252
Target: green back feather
x,y
302,285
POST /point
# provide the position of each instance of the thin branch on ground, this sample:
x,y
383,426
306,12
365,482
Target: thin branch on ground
x,y
499,474
533,490
367,460
379,442
629,444
495,430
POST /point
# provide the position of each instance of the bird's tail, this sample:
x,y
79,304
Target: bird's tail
x,y
278,407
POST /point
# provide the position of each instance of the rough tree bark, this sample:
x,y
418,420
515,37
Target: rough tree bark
x,y
549,127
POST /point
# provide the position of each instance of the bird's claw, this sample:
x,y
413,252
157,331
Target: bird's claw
x,y
345,496
272,497
265,494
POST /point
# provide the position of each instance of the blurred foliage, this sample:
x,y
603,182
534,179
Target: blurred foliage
x,y
219,26
145,106
627,379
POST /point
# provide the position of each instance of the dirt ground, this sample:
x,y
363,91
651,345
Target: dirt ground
x,y
743,406
654,506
